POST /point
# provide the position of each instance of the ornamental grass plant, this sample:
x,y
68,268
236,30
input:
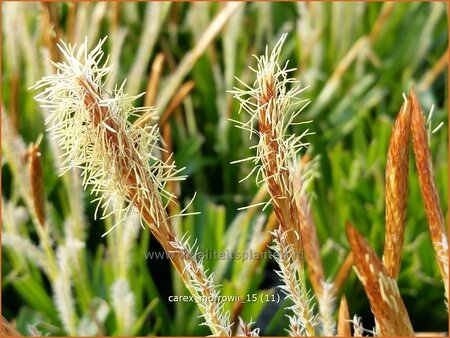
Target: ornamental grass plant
x,y
228,198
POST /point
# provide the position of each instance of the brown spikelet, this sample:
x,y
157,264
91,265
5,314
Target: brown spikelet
x,y
310,241
153,82
397,190
126,156
430,196
37,182
343,327
382,291
343,273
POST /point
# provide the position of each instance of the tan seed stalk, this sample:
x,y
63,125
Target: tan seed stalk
x,y
343,327
382,291
303,321
308,231
270,103
397,190
430,195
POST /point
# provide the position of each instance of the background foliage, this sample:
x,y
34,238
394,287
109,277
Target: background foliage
x,y
356,59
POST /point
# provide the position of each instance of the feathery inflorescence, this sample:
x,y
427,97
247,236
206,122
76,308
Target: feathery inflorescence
x,y
269,103
326,303
124,305
120,161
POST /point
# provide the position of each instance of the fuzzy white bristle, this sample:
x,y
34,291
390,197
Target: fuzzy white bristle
x,y
73,95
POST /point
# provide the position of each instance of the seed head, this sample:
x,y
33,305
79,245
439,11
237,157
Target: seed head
x,y
270,103
387,305
118,160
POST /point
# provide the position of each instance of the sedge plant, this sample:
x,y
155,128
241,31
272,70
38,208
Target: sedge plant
x,y
71,281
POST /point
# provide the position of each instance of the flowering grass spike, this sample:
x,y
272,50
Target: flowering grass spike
x,y
93,128
271,103
120,161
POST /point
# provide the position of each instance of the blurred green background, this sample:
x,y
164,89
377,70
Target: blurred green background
x,y
356,60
